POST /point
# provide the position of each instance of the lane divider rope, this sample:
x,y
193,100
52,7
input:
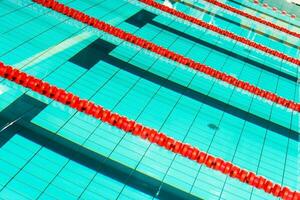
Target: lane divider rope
x,y
220,31
254,18
80,16
265,5
146,133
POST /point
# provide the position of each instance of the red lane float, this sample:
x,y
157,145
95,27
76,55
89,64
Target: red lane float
x,y
146,133
254,18
221,31
61,8
265,5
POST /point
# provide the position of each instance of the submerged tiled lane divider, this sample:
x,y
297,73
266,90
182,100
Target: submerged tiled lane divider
x,y
145,133
220,31
254,18
61,8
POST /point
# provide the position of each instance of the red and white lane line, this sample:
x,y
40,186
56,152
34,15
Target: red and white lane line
x,y
252,17
275,9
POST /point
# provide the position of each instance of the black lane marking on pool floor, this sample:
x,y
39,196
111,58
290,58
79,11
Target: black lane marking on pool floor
x,y
236,23
24,108
180,89
27,108
141,18
90,55
136,21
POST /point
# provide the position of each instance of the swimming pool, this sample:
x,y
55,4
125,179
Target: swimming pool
x,y
50,151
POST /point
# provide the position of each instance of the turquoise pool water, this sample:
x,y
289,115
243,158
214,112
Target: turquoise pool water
x,y
49,151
